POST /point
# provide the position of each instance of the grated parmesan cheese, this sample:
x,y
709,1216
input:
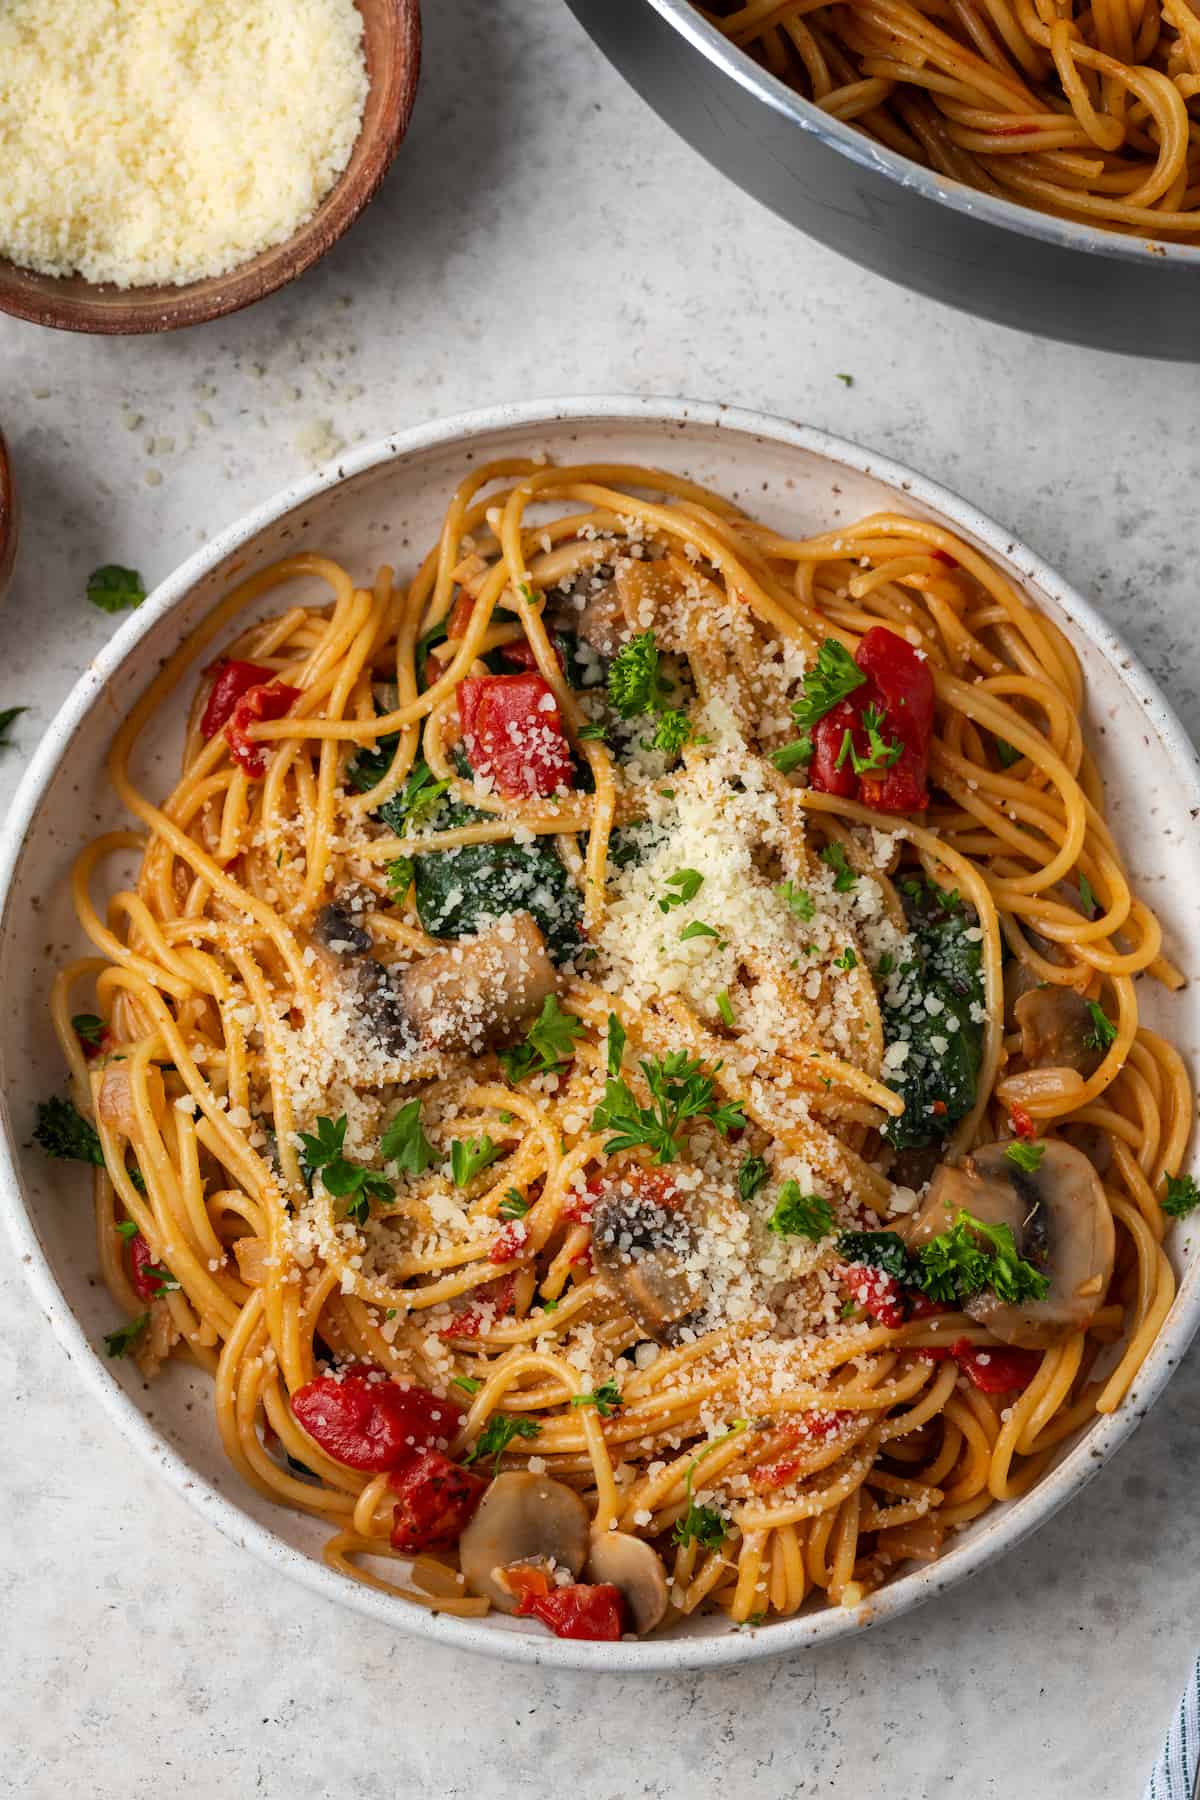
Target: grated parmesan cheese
x,y
166,140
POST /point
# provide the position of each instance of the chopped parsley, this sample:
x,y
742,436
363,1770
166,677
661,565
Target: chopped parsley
x,y
113,589
400,875
1007,753
470,1156
405,1144
497,1435
549,1042
725,1008
846,381
89,1029
953,1266
467,1383
751,1176
834,856
798,1214
847,960
797,900
514,1204
62,1131
606,1399
7,716
680,1089
1026,1156
697,929
594,730
616,1044
1103,1032
789,757
345,1180
673,731
167,1284
122,1341
126,1229
703,1525
686,883
1087,898
1181,1196
880,755
635,683
835,675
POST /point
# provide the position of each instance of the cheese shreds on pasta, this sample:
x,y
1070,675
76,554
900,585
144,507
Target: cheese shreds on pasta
x,y
575,991
160,141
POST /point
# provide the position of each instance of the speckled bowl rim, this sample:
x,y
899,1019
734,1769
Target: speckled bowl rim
x,y
1009,1526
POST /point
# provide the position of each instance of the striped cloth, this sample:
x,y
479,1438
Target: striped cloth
x,y
1174,1774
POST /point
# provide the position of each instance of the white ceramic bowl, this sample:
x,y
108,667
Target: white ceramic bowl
x,y
386,503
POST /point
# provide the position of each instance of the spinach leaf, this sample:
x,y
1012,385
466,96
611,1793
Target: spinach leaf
x,y
461,890
945,1046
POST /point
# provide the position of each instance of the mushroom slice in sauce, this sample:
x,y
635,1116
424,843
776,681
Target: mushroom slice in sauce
x,y
522,1519
479,987
636,1571
639,1247
1057,1030
337,931
1060,1223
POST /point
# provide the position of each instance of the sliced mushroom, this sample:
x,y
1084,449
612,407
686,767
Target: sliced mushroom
x,y
636,1570
640,1246
1057,1030
522,1518
1060,1223
336,930
479,987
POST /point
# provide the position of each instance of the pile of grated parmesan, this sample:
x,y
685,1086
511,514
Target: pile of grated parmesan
x,y
148,141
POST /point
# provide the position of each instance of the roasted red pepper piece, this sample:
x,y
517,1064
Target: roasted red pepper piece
x,y
810,1429
899,686
512,732
520,654
507,1246
146,1275
574,1611
270,702
230,682
436,1499
368,1421
471,1320
993,1371
877,1292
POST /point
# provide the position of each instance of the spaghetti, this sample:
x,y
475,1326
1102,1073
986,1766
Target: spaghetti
x,y
621,1058
1086,112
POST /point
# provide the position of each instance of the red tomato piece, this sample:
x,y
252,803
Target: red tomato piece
x,y
520,654
512,730
145,1274
899,687
993,1371
270,702
574,1611
368,1421
810,1429
230,682
507,1246
828,736
460,616
436,1499
472,1320
877,1292
1022,1122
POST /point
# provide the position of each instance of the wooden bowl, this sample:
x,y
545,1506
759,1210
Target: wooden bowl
x,y
392,45
8,518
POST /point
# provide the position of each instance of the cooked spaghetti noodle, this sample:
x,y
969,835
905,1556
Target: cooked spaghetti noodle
x,y
1087,112
664,1255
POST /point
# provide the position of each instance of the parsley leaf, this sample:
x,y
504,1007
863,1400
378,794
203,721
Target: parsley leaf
x,y
1007,753
1103,1032
879,754
113,588
679,1090
593,730
697,929
687,883
847,960
606,1399
126,1229
703,1524
400,875
616,1044
404,1142
6,718
953,1267
835,675
635,683
673,731
751,1176
62,1130
549,1043
497,1435
834,856
798,1214
1026,1156
344,1179
797,900
790,756
514,1204
122,1341
1181,1196
467,1383
469,1156
88,1028
1087,898
725,1008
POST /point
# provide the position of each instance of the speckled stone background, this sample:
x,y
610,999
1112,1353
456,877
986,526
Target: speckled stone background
x,y
543,234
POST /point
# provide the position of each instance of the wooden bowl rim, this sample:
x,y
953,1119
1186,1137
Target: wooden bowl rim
x,y
126,315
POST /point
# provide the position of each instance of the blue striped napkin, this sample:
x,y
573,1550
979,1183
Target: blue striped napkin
x,y
1174,1773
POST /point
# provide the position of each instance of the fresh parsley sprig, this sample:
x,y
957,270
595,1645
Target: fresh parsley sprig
x,y
635,680
7,716
1181,1196
1026,1156
798,1214
834,675
1103,1032
113,589
470,1156
549,1043
497,1435
606,1399
684,884
834,857
880,755
680,1089
125,1338
404,1143
323,1154
797,900
751,1176
954,1267
62,1131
